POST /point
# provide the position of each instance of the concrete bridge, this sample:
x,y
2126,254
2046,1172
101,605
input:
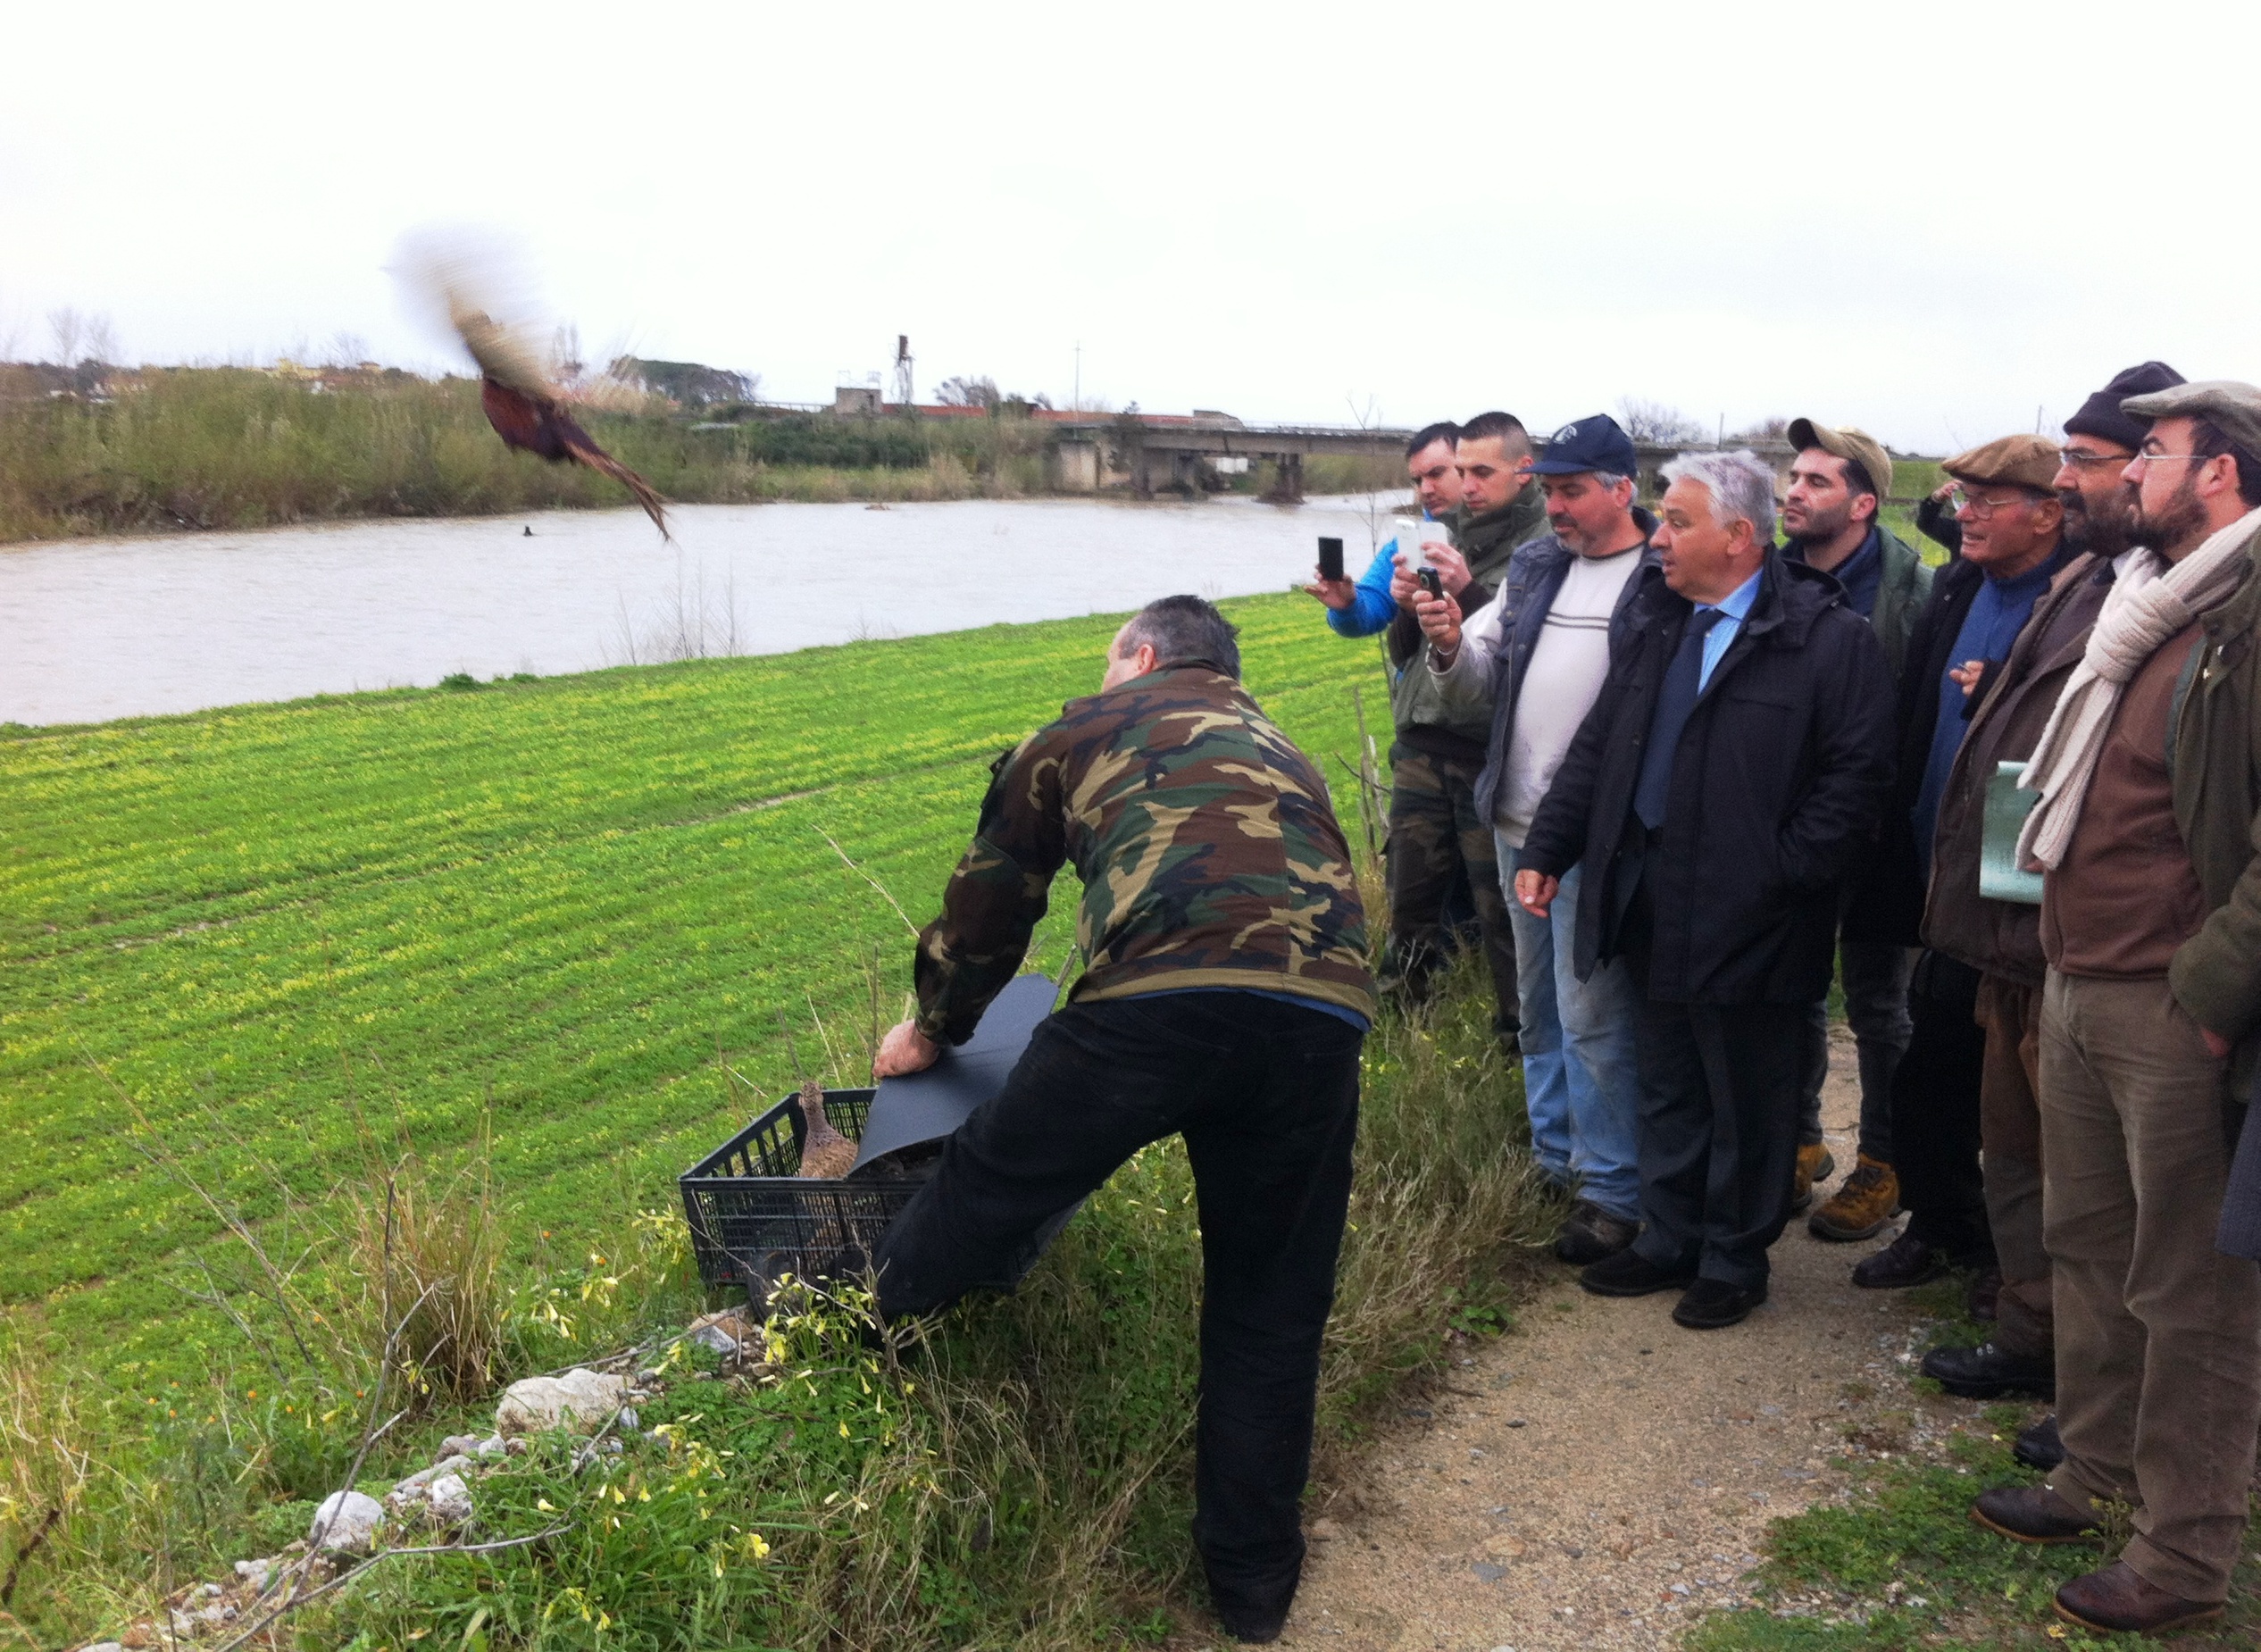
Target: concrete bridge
x,y
1148,451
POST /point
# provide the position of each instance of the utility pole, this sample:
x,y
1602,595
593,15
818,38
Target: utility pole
x,y
1076,400
903,371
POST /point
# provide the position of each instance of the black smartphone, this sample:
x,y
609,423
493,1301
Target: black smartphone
x,y
1330,558
1430,582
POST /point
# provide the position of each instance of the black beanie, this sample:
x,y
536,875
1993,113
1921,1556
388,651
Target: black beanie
x,y
2100,415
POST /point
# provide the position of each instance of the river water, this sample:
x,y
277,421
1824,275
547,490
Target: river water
x,y
93,629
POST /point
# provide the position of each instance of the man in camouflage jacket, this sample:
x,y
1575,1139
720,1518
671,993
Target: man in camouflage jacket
x,y
1224,996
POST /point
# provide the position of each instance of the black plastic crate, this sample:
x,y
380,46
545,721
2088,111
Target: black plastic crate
x,y
752,1220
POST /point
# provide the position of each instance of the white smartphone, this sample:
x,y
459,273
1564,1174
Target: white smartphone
x,y
1412,553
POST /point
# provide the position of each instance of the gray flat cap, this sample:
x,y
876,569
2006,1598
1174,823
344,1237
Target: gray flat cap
x,y
2233,407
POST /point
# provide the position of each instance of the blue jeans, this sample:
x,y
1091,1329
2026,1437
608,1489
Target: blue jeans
x,y
1580,1088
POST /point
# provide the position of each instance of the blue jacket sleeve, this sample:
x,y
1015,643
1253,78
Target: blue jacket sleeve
x,y
1373,607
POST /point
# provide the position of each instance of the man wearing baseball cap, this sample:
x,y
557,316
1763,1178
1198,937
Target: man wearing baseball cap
x,y
1833,521
2150,1034
2012,533
1535,659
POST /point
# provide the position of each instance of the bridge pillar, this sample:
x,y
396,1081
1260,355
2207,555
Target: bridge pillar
x,y
1287,479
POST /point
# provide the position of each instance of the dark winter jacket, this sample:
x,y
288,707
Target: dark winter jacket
x,y
1887,903
2009,710
1425,722
1777,786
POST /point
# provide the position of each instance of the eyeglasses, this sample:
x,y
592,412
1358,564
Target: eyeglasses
x,y
1979,509
2080,461
2163,458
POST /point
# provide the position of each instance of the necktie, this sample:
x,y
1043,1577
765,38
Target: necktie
x,y
1675,701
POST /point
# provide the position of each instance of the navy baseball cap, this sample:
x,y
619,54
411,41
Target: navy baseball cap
x,y
1594,443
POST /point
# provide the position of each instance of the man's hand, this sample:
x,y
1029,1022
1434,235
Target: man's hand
x,y
1452,569
1337,593
1967,674
905,1049
1440,618
1536,891
2216,1046
1402,585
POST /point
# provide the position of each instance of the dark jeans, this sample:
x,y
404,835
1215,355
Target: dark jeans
x,y
1438,844
1935,1113
1266,1095
1720,1088
1875,976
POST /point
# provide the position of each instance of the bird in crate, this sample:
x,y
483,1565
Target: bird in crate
x,y
466,283
825,1153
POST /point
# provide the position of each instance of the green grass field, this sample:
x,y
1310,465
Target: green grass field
x,y
260,962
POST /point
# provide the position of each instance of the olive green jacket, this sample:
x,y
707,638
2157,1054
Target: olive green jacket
x,y
1488,543
2214,749
1899,596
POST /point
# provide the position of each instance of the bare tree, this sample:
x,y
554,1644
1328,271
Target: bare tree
x,y
1657,424
67,329
979,391
1774,428
346,350
102,340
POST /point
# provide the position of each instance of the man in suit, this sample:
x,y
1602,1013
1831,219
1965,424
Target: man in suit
x,y
1727,780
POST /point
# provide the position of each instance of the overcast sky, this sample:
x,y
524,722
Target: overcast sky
x,y
1932,220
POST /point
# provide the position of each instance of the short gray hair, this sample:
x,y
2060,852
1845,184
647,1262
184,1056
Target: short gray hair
x,y
1740,484
1183,630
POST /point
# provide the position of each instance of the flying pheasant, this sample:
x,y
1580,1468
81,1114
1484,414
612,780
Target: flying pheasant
x,y
527,410
825,1153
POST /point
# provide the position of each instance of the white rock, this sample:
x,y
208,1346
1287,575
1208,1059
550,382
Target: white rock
x,y
102,1645
458,1444
714,1336
257,1573
412,1489
491,1448
582,1401
628,1419
346,1520
450,1500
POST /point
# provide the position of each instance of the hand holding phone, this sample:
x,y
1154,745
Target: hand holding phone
x,y
1430,582
1330,557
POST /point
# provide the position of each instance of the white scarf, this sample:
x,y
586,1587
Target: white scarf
x,y
2150,602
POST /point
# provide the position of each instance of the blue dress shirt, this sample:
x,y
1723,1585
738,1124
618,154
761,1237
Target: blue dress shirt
x,y
1732,609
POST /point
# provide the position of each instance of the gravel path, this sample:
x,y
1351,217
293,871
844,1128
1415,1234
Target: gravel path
x,y
1600,1476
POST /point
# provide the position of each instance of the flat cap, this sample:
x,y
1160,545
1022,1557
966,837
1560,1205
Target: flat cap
x,y
2023,461
2231,406
2100,416
1848,443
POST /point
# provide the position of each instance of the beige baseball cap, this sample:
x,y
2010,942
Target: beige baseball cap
x,y
1846,443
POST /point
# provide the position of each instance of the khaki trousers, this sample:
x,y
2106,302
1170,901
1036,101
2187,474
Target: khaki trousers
x,y
2010,1134
2158,1334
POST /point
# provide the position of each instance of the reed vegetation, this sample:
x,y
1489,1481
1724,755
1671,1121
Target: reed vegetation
x,y
234,448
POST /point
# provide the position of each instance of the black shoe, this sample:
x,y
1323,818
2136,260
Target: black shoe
x,y
1591,1234
2032,1515
2039,1446
1713,1305
1987,1373
1906,1260
1256,1628
1628,1273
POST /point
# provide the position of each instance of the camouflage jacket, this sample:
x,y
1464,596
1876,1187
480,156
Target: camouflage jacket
x,y
1209,854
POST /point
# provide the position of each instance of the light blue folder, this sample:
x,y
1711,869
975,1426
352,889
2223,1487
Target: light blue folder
x,y
2001,878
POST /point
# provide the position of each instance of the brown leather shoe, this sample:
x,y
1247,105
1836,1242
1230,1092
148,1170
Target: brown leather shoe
x,y
1814,1163
1863,1206
2117,1599
2032,1515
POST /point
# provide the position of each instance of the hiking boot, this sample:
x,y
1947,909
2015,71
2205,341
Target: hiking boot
x,y
2119,1600
1591,1234
1713,1305
1906,1260
1814,1163
2039,1445
1863,1207
1987,1372
1628,1273
2032,1515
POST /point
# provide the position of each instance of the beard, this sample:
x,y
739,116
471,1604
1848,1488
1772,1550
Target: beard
x,y
1821,526
2105,531
2182,518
